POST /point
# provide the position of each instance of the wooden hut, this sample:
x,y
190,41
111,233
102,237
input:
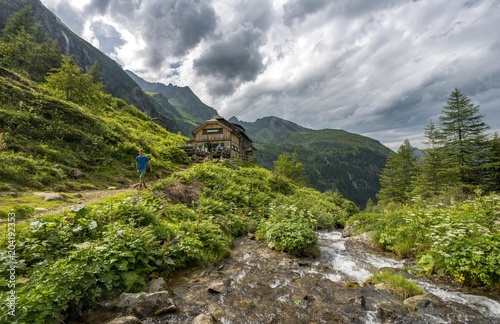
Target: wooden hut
x,y
219,138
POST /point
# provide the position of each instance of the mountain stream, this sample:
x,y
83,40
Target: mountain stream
x,y
259,285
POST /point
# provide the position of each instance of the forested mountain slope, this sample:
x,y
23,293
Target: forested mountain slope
x,y
333,159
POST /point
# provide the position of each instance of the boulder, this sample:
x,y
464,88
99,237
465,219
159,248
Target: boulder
x,y
204,319
348,231
426,304
144,305
125,320
217,287
157,285
389,312
50,196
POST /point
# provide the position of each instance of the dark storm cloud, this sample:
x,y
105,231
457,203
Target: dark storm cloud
x,y
380,68
232,61
170,28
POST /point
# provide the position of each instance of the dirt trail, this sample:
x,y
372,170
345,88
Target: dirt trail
x,y
84,198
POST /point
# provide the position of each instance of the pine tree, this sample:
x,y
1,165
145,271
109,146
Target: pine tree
x,y
26,47
462,131
429,180
492,178
95,73
21,20
396,177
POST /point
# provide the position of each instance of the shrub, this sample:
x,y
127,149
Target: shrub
x,y
295,238
460,240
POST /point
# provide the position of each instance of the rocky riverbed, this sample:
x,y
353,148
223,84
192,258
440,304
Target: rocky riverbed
x,y
260,285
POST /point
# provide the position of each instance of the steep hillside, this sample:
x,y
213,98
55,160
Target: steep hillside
x,y
53,144
333,159
115,80
180,104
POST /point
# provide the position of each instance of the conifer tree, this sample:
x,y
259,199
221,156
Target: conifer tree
x,y
26,47
21,20
69,83
95,73
429,180
396,177
492,178
462,132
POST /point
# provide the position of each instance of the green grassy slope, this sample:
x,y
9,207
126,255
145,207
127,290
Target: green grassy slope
x,y
49,143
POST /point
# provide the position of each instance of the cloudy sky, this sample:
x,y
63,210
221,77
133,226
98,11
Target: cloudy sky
x,y
381,68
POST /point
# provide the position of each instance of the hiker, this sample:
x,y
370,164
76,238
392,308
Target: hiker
x,y
141,163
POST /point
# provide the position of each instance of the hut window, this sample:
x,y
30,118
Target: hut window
x,y
212,131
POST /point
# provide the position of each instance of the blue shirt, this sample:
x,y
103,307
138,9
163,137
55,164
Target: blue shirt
x,y
141,162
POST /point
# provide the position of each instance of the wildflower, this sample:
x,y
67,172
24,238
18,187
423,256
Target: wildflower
x,y
84,245
36,224
92,225
76,208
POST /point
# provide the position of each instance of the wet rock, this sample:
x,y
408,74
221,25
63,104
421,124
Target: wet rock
x,y
363,242
217,287
361,300
349,231
431,305
143,304
125,320
303,263
157,285
204,319
389,312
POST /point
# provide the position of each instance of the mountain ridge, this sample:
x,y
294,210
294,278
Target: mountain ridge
x,y
182,106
